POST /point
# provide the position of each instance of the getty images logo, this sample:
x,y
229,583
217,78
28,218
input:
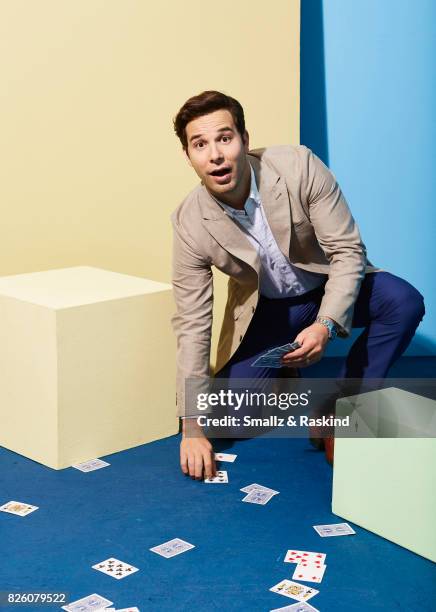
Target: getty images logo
x,y
235,400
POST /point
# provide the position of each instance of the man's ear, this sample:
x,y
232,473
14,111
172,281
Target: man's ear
x,y
246,141
185,151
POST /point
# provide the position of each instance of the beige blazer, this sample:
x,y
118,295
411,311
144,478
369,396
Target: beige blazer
x,y
313,226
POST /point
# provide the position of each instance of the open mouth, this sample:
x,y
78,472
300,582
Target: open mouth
x,y
221,172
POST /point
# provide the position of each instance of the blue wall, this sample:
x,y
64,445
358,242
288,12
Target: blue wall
x,y
368,101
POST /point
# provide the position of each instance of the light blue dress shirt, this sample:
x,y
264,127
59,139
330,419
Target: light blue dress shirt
x,y
278,277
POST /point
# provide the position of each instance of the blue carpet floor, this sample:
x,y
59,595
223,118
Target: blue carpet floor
x,y
143,500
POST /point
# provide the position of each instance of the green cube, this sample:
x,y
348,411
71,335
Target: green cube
x,y
386,481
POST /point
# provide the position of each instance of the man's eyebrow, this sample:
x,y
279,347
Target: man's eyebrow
x,y
223,129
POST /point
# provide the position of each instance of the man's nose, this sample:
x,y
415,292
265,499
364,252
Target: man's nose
x,y
215,153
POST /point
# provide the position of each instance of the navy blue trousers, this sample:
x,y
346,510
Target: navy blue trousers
x,y
387,307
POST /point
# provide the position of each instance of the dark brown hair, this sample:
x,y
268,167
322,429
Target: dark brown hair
x,y
203,104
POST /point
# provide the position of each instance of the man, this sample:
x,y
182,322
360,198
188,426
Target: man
x,y
275,221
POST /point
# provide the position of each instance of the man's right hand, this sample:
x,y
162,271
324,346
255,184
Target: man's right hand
x,y
196,452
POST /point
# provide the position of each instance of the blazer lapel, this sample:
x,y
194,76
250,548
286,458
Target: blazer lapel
x,y
231,237
275,200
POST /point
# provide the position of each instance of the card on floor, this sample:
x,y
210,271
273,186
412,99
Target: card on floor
x,y
309,573
300,592
258,497
336,529
18,508
220,477
299,556
115,568
88,604
297,607
225,457
135,609
259,487
172,548
91,465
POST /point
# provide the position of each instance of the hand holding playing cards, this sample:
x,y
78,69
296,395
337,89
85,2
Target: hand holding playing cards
x,y
196,452
313,340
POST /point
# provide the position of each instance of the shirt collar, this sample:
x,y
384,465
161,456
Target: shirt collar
x,y
252,200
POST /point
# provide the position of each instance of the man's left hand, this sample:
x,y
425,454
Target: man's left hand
x,y
313,340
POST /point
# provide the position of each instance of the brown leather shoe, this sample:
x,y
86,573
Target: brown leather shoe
x,y
329,446
317,443
323,439
319,434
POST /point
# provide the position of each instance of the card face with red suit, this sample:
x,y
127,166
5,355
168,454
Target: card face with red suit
x,y
308,572
300,556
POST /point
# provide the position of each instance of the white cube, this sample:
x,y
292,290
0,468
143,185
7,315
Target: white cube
x,y
87,364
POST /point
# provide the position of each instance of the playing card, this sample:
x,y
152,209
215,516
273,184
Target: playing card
x,y
225,457
265,362
258,497
298,556
266,359
88,604
221,477
309,573
172,548
135,609
91,465
300,592
115,568
18,508
272,358
254,486
297,607
336,529
285,348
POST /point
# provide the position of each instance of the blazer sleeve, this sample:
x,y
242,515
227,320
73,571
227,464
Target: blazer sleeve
x,y
339,238
192,323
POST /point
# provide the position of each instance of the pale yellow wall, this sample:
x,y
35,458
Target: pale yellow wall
x,y
90,169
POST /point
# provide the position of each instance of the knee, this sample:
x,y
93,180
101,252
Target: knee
x,y
411,306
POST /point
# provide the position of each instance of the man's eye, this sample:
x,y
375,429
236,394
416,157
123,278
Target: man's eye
x,y
197,144
226,138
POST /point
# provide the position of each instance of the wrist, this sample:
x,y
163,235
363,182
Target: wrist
x,y
329,325
191,427
322,329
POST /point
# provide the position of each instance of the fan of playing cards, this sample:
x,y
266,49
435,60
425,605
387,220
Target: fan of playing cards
x,y
273,357
310,566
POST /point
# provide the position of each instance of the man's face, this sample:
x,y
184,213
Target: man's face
x,y
217,152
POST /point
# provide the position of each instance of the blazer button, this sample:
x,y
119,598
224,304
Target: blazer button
x,y
253,308
240,338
